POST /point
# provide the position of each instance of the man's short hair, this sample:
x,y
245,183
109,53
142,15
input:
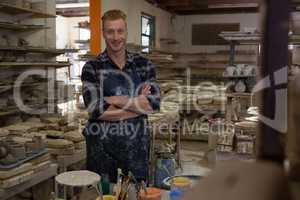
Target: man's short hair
x,y
113,15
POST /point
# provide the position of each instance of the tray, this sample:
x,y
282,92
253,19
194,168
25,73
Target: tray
x,y
20,162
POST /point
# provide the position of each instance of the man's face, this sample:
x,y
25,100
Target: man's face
x,y
115,34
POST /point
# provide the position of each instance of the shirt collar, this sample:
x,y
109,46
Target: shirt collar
x,y
104,57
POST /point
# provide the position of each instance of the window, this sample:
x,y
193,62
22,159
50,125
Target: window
x,y
148,33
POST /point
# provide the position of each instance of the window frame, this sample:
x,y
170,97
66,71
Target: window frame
x,y
151,37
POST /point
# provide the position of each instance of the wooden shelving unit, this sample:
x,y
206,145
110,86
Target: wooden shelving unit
x,y
22,57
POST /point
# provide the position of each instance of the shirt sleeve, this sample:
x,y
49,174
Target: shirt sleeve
x,y
92,92
154,97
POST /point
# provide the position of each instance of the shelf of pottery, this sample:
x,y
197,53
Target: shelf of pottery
x,y
30,147
240,73
29,93
28,59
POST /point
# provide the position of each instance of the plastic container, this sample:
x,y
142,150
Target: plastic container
x,y
181,183
179,187
152,194
176,195
105,185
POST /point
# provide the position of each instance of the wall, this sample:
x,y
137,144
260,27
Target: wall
x,y
133,9
62,32
66,31
182,27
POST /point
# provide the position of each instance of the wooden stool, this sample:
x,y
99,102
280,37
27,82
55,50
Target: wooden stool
x,y
82,178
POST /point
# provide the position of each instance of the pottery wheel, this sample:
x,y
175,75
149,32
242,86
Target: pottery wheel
x,y
78,178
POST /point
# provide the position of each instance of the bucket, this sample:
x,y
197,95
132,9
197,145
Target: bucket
x,y
152,194
181,184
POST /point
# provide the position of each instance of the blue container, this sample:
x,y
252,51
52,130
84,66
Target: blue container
x,y
176,195
164,168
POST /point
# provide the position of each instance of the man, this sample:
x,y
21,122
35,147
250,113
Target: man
x,y
119,89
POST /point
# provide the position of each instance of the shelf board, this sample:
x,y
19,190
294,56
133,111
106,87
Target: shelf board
x,y
240,76
82,41
34,64
21,27
83,27
37,50
244,38
239,94
13,110
4,88
15,10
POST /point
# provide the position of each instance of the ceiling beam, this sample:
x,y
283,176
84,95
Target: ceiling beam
x,y
191,11
208,6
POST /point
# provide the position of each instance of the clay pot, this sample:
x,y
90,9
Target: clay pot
x,y
31,147
39,142
18,151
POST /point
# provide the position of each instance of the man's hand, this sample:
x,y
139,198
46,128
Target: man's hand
x,y
146,90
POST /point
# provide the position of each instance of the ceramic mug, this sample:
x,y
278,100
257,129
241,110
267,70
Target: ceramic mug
x,y
18,151
239,69
249,70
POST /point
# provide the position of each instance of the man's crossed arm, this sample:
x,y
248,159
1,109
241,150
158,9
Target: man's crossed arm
x,y
124,107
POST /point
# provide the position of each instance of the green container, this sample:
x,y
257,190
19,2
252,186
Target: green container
x,y
104,184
